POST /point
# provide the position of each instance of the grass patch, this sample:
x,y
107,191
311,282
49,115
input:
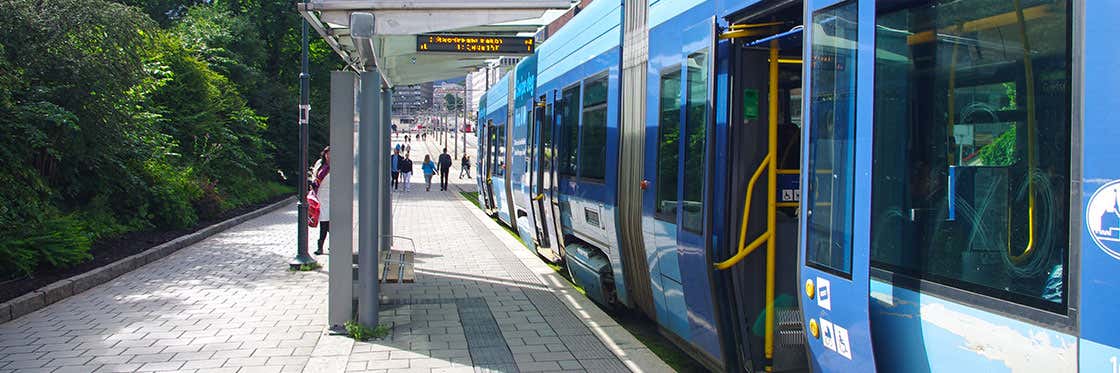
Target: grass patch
x,y
636,323
473,197
562,270
646,331
363,333
306,267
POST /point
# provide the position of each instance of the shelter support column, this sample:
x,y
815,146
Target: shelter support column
x,y
370,167
340,284
386,142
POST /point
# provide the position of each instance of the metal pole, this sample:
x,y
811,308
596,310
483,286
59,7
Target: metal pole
x,y
386,225
302,257
462,102
340,284
371,167
464,121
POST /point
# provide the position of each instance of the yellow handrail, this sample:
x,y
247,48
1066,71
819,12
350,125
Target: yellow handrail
x,y
742,26
772,198
746,250
1031,138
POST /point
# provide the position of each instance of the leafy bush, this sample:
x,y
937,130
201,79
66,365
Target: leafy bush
x,y
59,242
117,118
1000,152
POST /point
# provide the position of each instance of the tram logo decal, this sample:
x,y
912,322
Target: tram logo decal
x,y
1102,217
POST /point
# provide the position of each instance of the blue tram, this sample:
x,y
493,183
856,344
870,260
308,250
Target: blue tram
x,y
849,186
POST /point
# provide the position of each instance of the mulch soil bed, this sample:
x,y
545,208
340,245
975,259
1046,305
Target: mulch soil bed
x,y
107,251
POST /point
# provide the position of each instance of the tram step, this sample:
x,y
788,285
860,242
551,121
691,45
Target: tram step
x,y
789,346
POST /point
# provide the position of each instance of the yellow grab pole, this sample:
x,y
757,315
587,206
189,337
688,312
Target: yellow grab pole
x,y
1032,160
772,199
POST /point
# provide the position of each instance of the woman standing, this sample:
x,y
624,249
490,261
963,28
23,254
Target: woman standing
x,y
429,168
321,185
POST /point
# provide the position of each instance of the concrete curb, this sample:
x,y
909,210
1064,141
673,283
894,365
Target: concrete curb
x,y
63,289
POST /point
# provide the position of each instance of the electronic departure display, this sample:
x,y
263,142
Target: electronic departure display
x,y
474,44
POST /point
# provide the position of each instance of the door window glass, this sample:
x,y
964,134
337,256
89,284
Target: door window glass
x,y
832,139
569,127
668,141
696,126
501,146
972,146
593,131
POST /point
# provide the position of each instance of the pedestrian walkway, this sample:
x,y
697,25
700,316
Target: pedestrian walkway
x,y
480,303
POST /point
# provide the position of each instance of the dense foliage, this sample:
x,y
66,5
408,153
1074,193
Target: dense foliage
x,y
142,114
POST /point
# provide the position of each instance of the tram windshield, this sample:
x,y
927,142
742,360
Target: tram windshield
x,y
972,145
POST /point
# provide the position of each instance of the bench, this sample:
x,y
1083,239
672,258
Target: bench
x,y
393,266
397,266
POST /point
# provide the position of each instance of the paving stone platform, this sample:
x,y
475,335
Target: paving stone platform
x,y
481,303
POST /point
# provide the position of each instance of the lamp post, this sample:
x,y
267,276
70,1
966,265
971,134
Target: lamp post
x,y
302,257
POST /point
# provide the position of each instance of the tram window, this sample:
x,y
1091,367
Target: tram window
x,y
695,126
972,146
593,131
668,141
546,133
500,135
832,139
569,128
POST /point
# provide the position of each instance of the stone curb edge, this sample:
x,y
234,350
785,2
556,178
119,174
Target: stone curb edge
x,y
77,284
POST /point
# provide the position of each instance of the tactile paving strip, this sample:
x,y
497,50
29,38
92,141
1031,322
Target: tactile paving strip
x,y
488,349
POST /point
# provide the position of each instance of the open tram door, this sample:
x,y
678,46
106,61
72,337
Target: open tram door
x,y
489,137
835,232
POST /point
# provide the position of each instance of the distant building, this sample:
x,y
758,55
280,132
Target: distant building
x,y
559,22
410,99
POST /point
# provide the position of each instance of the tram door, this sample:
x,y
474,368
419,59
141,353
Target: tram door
x,y
543,182
835,238
488,165
760,266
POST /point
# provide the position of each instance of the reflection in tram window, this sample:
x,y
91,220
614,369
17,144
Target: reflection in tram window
x,y
569,131
695,127
972,146
669,136
832,139
500,149
593,134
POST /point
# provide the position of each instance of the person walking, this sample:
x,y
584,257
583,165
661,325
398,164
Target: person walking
x,y
406,171
394,167
321,187
465,166
429,168
444,169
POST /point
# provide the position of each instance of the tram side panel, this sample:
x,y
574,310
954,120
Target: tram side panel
x,y
578,71
1100,188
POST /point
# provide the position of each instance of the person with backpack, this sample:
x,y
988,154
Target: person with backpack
x,y
406,171
321,188
444,169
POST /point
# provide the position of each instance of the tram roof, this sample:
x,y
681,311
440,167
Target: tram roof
x,y
392,48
